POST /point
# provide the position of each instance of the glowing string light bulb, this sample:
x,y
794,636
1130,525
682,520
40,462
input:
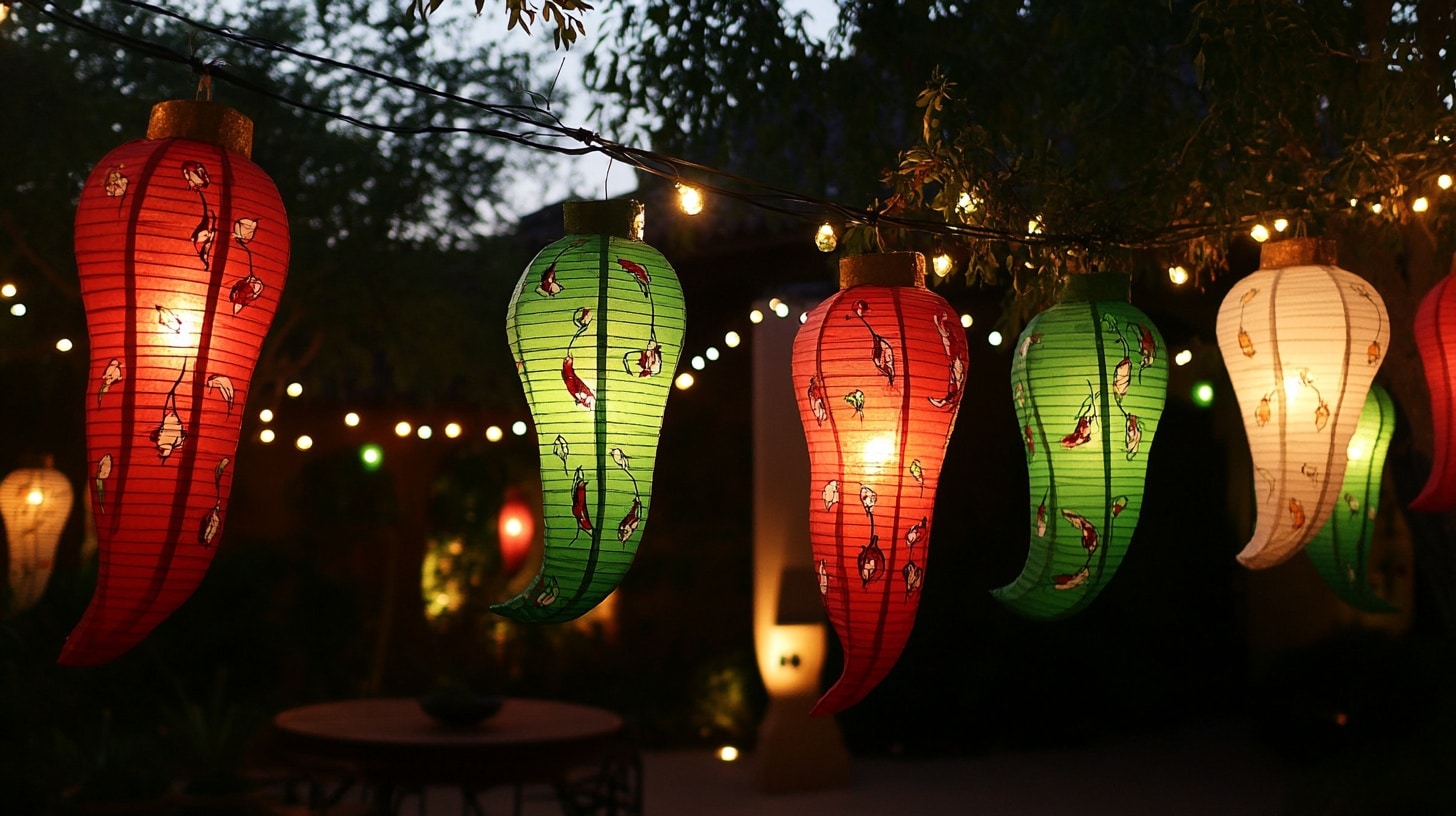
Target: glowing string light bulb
x,y
689,199
825,239
1259,233
1420,205
1178,275
941,264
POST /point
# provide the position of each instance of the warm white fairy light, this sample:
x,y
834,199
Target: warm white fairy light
x,y
295,389
1376,207
266,436
994,338
8,290
1281,224
731,339
18,310
1183,357
711,352
689,199
755,316
684,381
494,433
424,432
773,304
782,310
941,264
1259,233
825,239
698,362
64,344
966,321
303,442
728,753
265,415
967,203
1178,275
351,419
518,428
402,429
1354,202
1420,205
1034,226
1444,181
453,430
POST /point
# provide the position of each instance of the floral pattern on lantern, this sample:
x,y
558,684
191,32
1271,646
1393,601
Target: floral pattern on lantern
x,y
1341,549
1302,340
1089,377
1435,330
879,369
182,249
596,326
34,503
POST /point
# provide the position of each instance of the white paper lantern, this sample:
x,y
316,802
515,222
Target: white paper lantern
x,y
35,503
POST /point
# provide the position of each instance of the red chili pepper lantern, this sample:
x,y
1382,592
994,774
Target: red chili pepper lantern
x,y
1435,331
879,369
182,249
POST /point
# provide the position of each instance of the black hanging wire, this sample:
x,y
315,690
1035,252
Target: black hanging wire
x,y
580,141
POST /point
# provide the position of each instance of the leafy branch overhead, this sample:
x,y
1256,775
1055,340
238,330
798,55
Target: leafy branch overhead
x,y
565,16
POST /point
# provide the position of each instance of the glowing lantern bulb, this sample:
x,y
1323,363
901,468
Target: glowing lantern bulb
x,y
689,199
825,239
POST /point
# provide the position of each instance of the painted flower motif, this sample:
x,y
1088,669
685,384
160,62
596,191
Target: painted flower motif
x,y
211,524
916,533
1263,412
1041,518
1085,527
169,434
871,561
561,450
1122,378
821,570
548,286
576,386
1133,436
224,387
103,472
116,182
203,237
868,497
638,273
195,174
109,377
644,363
1072,581
244,229
856,401
629,523
1147,347
815,394
830,494
547,591
917,472
578,501
245,292
1296,514
168,319
1080,435
582,318
914,575
1031,340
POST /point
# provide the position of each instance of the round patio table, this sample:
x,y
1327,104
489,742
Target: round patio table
x,y
394,744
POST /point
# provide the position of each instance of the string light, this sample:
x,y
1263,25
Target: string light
x,y
684,381
711,353
266,415
689,199
994,338
351,419
1376,207
1420,205
755,316
64,344
966,321
372,456
731,339
1444,181
941,264
424,432
8,290
266,436
295,390
825,239
1259,233
18,310
453,430
1178,275
1183,357
494,433
402,429
699,363
304,442
1281,224
1202,394
518,428
782,310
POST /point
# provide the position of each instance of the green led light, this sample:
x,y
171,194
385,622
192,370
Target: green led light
x,y
1202,394
372,456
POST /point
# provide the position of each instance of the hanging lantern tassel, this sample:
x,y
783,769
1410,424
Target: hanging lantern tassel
x,y
596,326
35,503
1089,377
1302,340
182,249
1435,331
879,369
1341,549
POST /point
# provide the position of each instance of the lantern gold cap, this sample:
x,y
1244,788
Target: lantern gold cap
x,y
620,218
1094,286
1298,252
883,269
202,121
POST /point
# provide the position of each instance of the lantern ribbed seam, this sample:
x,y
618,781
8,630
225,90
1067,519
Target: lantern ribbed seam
x,y
1283,392
1051,466
1105,412
1340,401
838,468
599,410
900,443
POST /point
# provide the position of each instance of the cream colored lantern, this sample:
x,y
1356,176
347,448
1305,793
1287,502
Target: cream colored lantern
x,y
35,503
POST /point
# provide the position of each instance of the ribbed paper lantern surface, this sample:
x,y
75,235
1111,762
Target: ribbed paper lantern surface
x,y
1089,377
879,369
596,326
1435,331
1341,549
35,503
1301,339
182,249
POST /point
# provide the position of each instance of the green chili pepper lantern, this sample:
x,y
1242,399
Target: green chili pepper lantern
x,y
1088,377
1341,549
596,327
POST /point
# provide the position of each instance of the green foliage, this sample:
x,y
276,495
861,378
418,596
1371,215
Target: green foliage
x,y
565,16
